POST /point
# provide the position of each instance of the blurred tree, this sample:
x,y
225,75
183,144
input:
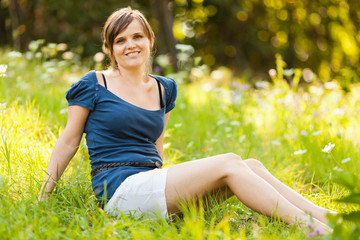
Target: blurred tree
x,y
20,13
77,23
245,35
3,36
162,12
322,35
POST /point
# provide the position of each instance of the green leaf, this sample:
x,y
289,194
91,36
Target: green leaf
x,y
347,180
353,216
352,198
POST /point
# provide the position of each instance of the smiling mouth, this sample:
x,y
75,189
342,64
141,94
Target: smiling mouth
x,y
132,53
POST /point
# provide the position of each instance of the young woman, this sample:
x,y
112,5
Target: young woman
x,y
124,112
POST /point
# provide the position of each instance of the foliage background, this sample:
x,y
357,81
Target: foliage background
x,y
322,36
220,52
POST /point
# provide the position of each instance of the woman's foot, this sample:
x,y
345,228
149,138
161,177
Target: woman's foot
x,y
316,228
324,218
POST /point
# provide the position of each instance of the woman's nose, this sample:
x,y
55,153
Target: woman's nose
x,y
130,44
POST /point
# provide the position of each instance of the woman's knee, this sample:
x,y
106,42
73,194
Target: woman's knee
x,y
231,157
233,164
254,163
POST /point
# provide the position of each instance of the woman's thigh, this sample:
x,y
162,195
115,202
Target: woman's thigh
x,y
199,178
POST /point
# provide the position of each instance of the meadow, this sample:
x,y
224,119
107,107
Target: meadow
x,y
286,126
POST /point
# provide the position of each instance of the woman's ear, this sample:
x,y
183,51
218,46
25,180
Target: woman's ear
x,y
152,43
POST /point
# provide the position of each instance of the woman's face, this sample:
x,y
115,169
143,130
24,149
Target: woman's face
x,y
131,47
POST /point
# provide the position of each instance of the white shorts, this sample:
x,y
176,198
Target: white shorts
x,y
141,193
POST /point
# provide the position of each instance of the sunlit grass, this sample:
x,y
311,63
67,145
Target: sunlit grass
x,y
268,124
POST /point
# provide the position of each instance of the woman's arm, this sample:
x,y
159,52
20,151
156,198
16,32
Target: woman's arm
x,y
65,148
160,141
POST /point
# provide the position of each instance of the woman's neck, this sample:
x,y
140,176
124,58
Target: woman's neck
x,y
135,77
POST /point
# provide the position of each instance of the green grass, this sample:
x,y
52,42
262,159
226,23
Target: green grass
x,y
269,124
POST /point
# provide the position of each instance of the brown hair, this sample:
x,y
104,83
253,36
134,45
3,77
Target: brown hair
x,y
117,22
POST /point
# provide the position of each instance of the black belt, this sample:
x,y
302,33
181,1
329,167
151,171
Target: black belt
x,y
108,166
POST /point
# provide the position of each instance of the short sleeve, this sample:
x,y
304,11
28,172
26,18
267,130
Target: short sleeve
x,y
171,95
82,93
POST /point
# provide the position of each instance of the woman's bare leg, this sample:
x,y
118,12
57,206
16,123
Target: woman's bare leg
x,y
291,195
194,179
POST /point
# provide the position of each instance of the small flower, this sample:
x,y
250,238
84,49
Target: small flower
x,y
68,55
235,123
316,133
300,152
14,54
345,160
272,72
166,145
316,232
3,69
309,226
304,133
220,122
157,69
262,84
328,147
319,231
337,169
276,143
243,87
339,112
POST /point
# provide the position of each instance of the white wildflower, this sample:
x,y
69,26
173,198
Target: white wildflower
x,y
61,47
300,152
328,147
3,69
220,122
242,138
68,55
14,54
345,160
235,123
339,112
316,133
337,169
207,87
276,143
167,145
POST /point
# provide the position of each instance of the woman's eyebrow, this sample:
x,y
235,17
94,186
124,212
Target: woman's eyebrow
x,y
137,33
117,38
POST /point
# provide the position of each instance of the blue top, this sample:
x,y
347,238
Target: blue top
x,y
118,131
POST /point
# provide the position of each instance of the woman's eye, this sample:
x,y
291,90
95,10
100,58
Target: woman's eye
x,y
138,36
119,40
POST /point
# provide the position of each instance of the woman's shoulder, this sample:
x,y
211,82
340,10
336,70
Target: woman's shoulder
x,y
170,91
83,92
167,82
89,77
